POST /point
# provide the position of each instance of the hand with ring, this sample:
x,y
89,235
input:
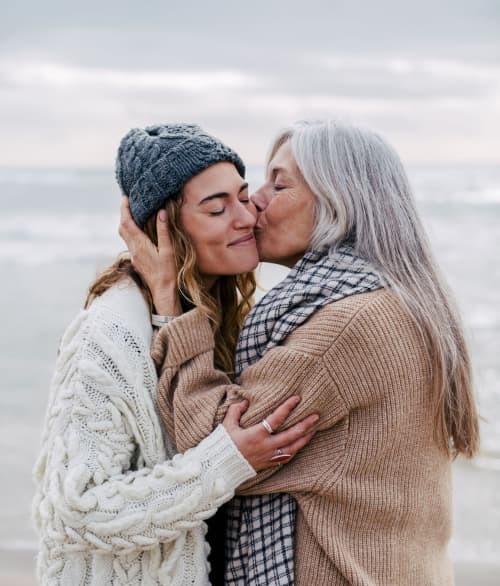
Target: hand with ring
x,y
260,444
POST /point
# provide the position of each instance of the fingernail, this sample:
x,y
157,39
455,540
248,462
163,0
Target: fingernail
x,y
315,418
163,215
296,399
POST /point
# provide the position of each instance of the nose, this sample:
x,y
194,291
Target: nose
x,y
246,215
261,199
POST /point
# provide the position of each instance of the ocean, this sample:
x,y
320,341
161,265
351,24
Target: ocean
x,y
58,227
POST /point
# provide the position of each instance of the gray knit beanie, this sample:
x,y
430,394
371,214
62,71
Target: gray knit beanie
x,y
154,163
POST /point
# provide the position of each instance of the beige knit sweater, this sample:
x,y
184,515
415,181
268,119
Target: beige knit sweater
x,y
373,488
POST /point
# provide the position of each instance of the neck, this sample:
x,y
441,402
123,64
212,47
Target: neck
x,y
289,261
209,281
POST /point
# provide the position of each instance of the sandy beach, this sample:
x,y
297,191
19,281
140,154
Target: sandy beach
x,y
16,569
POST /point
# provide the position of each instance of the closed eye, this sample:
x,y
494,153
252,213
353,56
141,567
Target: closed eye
x,y
217,213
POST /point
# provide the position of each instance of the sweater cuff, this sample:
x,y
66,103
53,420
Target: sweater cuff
x,y
226,462
186,336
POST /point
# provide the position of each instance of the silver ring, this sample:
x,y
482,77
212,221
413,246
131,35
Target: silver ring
x,y
267,426
280,455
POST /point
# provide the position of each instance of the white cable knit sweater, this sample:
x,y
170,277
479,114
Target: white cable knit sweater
x,y
110,506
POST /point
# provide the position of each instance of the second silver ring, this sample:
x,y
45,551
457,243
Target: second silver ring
x,y
267,426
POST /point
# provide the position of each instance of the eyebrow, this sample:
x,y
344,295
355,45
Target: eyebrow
x,y
223,194
275,170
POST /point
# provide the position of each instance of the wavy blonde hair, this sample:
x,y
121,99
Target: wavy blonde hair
x,y
226,304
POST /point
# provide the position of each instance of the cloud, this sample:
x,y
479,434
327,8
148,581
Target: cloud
x,y
66,114
73,81
46,74
443,69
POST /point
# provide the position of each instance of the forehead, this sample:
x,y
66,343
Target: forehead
x,y
219,178
283,161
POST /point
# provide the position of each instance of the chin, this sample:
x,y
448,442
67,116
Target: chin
x,y
250,263
245,266
263,256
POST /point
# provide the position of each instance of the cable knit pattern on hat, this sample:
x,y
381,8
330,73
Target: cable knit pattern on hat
x,y
154,163
109,506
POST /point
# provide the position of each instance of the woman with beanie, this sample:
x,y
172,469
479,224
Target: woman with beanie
x,y
113,503
364,329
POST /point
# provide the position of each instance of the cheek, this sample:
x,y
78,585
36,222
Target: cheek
x,y
208,238
310,216
207,243
282,217
207,254
289,225
202,229
276,214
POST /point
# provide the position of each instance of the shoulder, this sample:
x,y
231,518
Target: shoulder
x,y
119,313
110,342
357,315
124,304
379,305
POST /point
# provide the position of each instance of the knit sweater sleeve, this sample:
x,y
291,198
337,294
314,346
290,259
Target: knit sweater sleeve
x,y
351,355
198,395
103,480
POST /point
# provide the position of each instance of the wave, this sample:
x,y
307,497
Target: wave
x,y
474,197
468,551
30,177
488,461
484,318
490,195
470,185
40,238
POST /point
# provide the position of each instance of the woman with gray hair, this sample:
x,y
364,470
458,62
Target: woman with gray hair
x,y
365,330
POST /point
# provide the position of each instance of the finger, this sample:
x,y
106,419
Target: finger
x,y
279,415
234,413
164,240
294,447
128,228
281,458
125,213
296,431
137,242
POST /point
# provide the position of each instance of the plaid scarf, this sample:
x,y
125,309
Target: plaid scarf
x,y
260,529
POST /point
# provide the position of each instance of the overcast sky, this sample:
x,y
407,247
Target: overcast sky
x,y
74,77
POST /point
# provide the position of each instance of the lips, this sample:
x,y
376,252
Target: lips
x,y
248,239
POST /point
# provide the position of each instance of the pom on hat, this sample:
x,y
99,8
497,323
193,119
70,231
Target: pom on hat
x,y
154,163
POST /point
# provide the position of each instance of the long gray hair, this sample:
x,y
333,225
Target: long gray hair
x,y
363,195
